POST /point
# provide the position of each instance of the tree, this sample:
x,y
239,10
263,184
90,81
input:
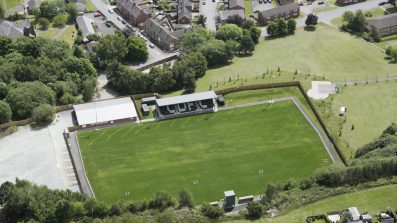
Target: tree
x,y
161,201
393,54
89,89
5,112
388,50
48,9
109,48
63,211
162,79
43,114
137,49
311,20
271,192
255,210
201,20
246,44
346,217
229,31
255,33
194,63
72,11
2,12
216,52
192,41
5,45
126,80
272,29
291,25
247,24
211,211
374,34
44,23
27,96
189,81
60,19
3,90
185,199
235,19
282,27
393,2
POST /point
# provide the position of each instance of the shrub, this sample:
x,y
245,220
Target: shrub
x,y
211,211
185,199
60,19
5,112
161,201
43,114
44,23
255,210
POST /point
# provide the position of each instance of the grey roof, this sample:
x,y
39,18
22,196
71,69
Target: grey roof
x,y
233,3
134,7
355,213
156,31
225,14
34,3
280,10
85,25
9,29
186,98
185,9
148,99
384,21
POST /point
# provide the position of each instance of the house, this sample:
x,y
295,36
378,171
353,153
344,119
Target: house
x,y
31,4
184,11
357,217
285,2
162,35
347,2
17,29
282,12
133,11
226,14
85,25
236,4
386,25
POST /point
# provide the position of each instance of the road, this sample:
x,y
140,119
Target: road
x,y
209,10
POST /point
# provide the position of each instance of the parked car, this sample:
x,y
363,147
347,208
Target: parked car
x,y
382,3
119,18
270,1
97,14
151,45
204,2
111,11
320,2
108,23
128,26
260,1
122,21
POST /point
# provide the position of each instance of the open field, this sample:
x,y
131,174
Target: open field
x,y
69,35
372,200
370,108
326,51
222,151
50,34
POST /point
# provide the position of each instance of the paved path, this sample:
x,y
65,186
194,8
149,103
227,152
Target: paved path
x,y
328,145
209,10
60,32
85,186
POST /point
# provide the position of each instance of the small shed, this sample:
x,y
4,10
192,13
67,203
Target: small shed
x,y
220,100
230,198
149,101
145,110
342,111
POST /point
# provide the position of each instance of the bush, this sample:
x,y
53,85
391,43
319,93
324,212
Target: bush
x,y
5,112
60,19
255,210
185,199
161,201
211,211
44,23
43,114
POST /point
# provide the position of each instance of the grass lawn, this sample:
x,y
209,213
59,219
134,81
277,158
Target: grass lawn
x,y
248,9
375,12
12,3
372,200
89,6
370,108
326,51
50,34
222,150
388,41
69,35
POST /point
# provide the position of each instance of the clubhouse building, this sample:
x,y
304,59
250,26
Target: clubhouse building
x,y
104,113
184,105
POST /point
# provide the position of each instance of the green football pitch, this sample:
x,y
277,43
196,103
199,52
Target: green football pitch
x,y
240,149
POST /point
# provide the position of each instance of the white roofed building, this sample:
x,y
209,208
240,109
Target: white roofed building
x,y
106,112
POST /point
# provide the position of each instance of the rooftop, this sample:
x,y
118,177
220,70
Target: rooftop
x,y
186,98
384,21
225,14
229,193
104,111
280,10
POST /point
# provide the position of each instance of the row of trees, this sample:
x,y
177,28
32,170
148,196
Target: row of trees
x,y
39,71
118,48
27,202
182,75
281,28
55,11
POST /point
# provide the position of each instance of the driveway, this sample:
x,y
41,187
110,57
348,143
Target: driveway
x,y
39,155
103,8
257,7
209,10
